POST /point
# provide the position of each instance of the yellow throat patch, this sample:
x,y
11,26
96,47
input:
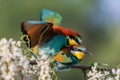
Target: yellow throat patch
x,y
79,55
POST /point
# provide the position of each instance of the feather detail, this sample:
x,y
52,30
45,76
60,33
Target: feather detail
x,y
37,31
63,56
35,49
73,37
64,31
51,16
54,45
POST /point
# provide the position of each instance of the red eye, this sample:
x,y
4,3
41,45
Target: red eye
x,y
75,48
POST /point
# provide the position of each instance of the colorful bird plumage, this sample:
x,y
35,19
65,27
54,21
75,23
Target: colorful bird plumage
x,y
51,16
64,45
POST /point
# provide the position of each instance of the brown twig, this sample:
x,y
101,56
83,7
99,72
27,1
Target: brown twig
x,y
78,67
83,68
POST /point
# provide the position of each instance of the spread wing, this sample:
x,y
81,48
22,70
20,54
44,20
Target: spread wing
x,y
51,16
37,31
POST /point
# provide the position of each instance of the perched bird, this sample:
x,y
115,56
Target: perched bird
x,y
69,56
73,55
43,36
62,44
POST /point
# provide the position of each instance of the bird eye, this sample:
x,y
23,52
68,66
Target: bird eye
x,y
75,48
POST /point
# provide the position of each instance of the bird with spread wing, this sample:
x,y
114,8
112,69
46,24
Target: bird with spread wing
x,y
63,45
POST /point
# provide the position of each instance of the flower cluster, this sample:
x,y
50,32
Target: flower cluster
x,y
43,70
96,74
44,67
14,65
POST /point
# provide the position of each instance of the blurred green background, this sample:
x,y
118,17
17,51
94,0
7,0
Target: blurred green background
x,y
98,22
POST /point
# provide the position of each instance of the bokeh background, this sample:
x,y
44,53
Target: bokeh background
x,y
98,22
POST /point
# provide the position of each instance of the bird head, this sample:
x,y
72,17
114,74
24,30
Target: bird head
x,y
79,52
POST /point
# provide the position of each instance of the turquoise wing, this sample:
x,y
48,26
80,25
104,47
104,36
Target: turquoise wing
x,y
54,45
51,16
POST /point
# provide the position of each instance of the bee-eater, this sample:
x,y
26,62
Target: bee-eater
x,y
63,45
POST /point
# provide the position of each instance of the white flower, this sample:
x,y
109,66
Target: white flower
x,y
15,66
45,71
106,72
32,58
12,67
110,78
18,43
95,74
118,72
12,61
113,71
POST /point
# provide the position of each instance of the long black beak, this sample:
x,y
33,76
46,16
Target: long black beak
x,y
82,49
87,52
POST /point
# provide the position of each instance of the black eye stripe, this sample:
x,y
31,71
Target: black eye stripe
x,y
76,49
73,37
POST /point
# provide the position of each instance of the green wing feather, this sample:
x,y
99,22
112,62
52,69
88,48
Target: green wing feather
x,y
51,16
62,57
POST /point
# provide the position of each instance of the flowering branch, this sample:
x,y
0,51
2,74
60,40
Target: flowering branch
x,y
85,68
78,67
14,65
81,67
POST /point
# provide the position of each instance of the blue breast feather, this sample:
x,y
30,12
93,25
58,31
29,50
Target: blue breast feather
x,y
54,45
